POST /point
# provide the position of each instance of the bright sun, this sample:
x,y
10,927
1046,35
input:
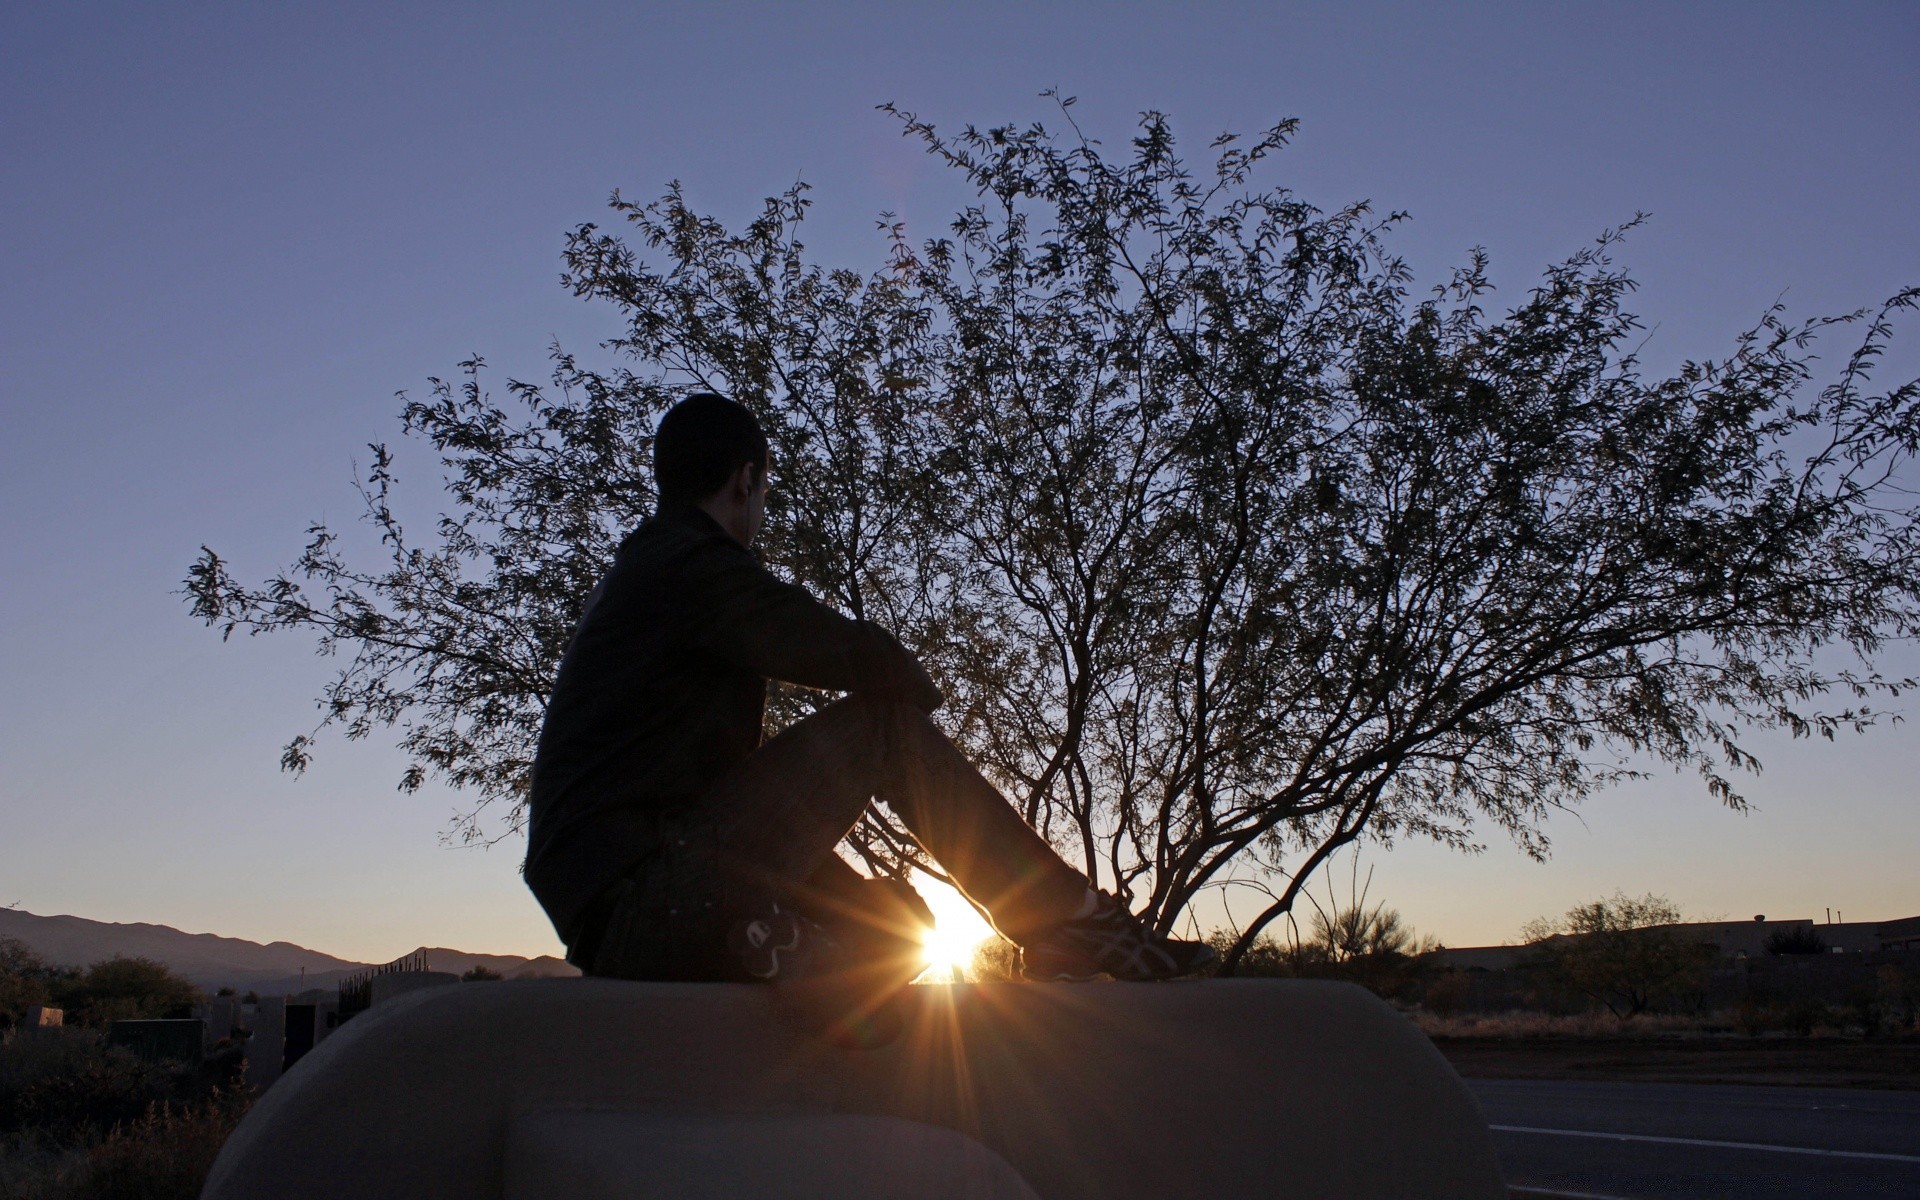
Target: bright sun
x,y
957,930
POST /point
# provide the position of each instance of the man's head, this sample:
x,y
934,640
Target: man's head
x,y
709,451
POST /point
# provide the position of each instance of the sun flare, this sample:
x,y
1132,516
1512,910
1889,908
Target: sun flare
x,y
956,934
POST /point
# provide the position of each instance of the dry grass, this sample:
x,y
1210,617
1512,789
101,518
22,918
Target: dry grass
x,y
1816,1021
82,1121
1535,1025
35,1166
164,1156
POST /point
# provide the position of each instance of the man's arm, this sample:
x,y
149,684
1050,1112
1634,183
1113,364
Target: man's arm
x,y
778,630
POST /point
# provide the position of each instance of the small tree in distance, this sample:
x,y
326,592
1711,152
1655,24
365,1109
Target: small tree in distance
x,y
1229,549
123,988
1801,939
1621,952
1350,933
24,979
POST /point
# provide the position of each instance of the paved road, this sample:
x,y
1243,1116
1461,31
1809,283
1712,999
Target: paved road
x,y
1669,1141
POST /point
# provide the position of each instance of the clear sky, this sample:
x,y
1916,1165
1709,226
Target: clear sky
x,y
233,232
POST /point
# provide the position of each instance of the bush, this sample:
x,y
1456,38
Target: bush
x,y
1448,993
125,989
1898,994
1622,952
80,1120
1800,1017
67,1082
1263,959
24,980
1801,939
165,1155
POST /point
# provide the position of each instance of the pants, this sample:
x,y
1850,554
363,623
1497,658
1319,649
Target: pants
x,y
768,829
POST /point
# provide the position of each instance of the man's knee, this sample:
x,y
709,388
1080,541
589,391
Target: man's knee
x,y
889,719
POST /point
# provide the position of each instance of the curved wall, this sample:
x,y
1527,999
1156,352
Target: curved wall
x,y
1219,1088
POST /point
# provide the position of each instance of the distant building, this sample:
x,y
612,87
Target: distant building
x,y
1903,934
1733,939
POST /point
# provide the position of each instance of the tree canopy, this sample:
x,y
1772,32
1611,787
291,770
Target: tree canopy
x,y
1229,546
1623,952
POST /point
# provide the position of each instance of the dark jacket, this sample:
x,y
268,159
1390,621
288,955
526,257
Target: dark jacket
x,y
662,690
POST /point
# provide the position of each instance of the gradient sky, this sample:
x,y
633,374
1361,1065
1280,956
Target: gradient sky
x,y
232,233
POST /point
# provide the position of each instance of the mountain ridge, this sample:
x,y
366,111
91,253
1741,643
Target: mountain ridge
x,y
214,960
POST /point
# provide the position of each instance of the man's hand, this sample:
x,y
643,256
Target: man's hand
x,y
926,695
894,671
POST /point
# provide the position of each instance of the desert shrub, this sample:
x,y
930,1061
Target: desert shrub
x,y
1800,1017
67,1081
81,1120
1899,994
1625,953
25,980
35,1165
1801,939
1264,958
1387,973
1447,993
125,989
1756,1014
1524,1025
165,1155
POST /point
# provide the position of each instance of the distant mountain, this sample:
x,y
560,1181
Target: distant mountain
x,y
213,961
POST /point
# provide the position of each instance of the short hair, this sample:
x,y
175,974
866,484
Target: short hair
x,y
700,443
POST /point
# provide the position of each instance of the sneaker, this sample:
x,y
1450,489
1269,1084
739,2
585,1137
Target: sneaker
x,y
820,979
1110,942
774,941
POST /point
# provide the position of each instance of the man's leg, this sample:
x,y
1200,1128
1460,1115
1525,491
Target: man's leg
x,y
766,833
780,814
789,804
1064,929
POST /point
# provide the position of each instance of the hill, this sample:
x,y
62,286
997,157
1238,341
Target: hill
x,y
213,961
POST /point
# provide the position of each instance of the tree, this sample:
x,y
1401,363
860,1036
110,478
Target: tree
x,y
125,989
1621,952
1350,933
1229,550
1800,939
23,980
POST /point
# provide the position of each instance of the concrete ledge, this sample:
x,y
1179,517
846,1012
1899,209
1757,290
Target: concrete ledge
x,y
1221,1088
565,1155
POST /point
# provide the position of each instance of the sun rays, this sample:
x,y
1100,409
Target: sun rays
x,y
958,931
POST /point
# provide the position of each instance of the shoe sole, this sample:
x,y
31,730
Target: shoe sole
x,y
758,944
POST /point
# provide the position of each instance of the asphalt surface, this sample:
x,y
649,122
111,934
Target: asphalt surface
x,y
1672,1141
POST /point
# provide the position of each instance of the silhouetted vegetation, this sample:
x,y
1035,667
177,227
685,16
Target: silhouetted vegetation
x,y
1798,940
114,989
1622,954
25,981
125,989
81,1120
1229,547
1370,946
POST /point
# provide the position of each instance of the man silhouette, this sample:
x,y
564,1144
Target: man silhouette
x,y
667,842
